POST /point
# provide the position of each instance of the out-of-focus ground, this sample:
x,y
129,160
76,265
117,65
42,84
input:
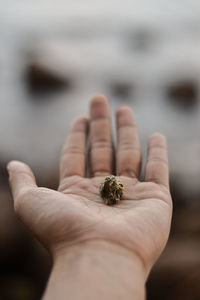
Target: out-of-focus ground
x,y
54,56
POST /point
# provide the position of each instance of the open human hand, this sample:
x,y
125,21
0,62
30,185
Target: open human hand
x,y
76,214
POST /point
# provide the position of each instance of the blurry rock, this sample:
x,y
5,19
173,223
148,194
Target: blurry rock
x,y
183,94
121,89
142,39
41,79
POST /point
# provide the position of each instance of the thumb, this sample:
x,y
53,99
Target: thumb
x,y
21,179
30,202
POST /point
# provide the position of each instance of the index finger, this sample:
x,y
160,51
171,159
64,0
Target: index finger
x,y
72,160
157,169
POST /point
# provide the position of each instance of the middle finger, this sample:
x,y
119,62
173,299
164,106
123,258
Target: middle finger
x,y
102,154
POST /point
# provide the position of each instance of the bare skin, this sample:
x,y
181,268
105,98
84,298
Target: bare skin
x,y
75,217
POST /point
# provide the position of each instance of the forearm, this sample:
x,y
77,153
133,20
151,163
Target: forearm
x,y
96,271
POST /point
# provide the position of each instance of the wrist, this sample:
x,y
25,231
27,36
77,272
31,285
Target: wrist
x,y
96,249
99,267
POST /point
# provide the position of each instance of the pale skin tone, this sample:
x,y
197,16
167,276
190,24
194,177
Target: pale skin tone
x,y
99,251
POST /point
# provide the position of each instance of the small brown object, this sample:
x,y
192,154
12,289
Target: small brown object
x,y
42,80
184,94
111,190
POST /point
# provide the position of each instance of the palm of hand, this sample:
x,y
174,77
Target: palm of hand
x,y
140,222
76,213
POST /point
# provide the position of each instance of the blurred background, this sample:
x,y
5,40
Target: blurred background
x,y
54,56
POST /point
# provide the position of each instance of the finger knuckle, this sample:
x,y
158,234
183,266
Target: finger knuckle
x,y
102,143
72,150
158,161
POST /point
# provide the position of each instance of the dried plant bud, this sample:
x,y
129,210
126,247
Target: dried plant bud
x,y
111,190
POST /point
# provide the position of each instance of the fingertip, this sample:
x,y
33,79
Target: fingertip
x,y
16,168
21,177
80,124
125,116
99,106
124,108
14,164
157,139
158,135
99,98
